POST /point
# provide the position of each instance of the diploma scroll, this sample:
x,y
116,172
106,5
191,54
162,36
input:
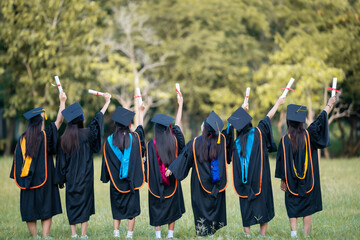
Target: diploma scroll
x,y
288,87
58,84
247,94
93,92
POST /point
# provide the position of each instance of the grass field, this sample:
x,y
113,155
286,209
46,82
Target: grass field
x,y
340,218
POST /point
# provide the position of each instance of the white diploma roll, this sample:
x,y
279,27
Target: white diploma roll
x,y
58,84
286,90
138,96
177,86
95,92
247,94
333,92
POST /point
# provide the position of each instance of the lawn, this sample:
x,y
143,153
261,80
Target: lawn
x,y
340,218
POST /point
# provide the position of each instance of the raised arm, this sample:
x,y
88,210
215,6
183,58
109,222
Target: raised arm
x,y
107,97
60,117
179,112
279,102
141,114
330,104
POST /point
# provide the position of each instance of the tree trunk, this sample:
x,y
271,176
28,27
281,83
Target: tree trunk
x,y
10,137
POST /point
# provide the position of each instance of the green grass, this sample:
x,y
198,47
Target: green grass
x,y
340,218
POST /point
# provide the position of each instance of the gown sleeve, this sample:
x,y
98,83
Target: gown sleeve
x,y
280,171
141,132
105,176
96,132
266,131
180,167
319,131
61,165
51,138
179,137
229,136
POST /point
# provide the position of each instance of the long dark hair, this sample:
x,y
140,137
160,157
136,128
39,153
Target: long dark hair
x,y
297,133
70,139
32,135
121,137
165,144
205,152
243,136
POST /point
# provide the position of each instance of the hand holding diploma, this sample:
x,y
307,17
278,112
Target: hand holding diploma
x,y
107,97
288,87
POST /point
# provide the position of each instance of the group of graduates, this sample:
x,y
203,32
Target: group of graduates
x,y
128,162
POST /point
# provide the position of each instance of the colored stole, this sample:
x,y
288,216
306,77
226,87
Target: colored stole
x,y
26,160
165,180
306,161
215,170
124,158
244,162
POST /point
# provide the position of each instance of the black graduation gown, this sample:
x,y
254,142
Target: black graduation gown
x,y
303,197
39,195
77,171
124,193
207,199
166,203
256,197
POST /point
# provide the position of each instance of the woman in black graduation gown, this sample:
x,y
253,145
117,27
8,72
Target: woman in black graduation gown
x,y
74,164
251,168
206,154
297,164
33,170
166,201
122,164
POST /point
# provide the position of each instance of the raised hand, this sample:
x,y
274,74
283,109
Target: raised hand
x,y
107,97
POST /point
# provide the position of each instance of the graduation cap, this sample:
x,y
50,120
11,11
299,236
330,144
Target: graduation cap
x,y
162,119
73,111
35,112
296,113
122,116
239,119
213,123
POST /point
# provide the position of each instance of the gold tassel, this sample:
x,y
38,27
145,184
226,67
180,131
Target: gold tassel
x,y
219,140
45,115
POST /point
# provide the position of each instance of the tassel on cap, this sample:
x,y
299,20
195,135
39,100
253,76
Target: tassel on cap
x,y
45,116
219,140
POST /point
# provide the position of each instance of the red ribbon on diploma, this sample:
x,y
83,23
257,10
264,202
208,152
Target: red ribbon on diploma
x,y
178,91
246,96
334,89
139,96
58,85
288,89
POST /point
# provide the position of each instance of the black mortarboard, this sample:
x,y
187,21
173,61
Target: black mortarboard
x,y
214,123
73,111
239,119
296,113
34,112
122,116
162,119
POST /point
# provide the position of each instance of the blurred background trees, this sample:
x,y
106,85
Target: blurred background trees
x,y
214,49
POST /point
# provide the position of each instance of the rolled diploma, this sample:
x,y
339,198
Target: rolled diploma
x,y
177,86
58,84
288,86
333,92
138,94
95,92
246,100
